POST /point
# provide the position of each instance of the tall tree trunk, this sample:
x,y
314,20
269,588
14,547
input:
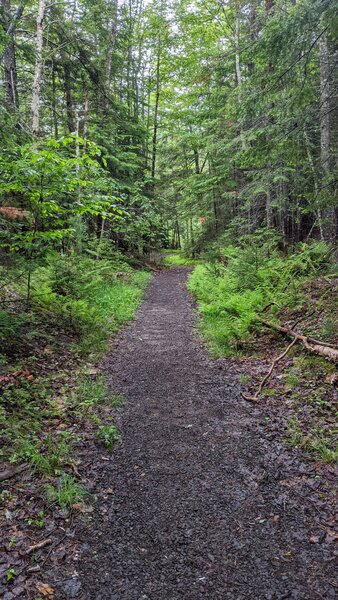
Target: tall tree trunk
x,y
68,95
268,207
178,234
325,103
238,72
55,118
109,59
38,68
315,182
253,33
148,124
328,213
197,162
9,55
157,102
85,117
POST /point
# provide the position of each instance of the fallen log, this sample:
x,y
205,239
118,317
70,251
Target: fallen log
x,y
310,344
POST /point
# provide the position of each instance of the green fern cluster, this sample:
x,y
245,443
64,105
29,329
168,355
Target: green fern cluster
x,y
233,292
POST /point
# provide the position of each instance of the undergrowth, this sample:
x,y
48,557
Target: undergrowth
x,y
66,492
52,395
87,298
312,424
233,291
239,285
178,260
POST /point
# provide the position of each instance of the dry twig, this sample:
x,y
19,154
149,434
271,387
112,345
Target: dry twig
x,y
255,398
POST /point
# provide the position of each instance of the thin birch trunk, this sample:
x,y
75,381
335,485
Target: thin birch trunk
x,y
85,118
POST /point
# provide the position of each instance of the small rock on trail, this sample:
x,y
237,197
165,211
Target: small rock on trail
x,y
191,504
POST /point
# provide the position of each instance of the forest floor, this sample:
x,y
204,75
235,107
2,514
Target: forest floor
x,y
201,498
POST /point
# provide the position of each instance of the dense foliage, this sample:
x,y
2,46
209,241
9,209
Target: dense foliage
x,y
168,122
234,294
249,138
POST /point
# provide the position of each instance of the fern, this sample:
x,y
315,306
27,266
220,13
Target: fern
x,y
231,298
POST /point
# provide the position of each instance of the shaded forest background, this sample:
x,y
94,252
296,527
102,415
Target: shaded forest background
x,y
167,123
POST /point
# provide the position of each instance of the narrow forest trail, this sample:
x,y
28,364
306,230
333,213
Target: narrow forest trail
x,y
195,503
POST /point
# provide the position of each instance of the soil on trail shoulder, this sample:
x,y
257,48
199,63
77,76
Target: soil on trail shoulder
x,y
196,502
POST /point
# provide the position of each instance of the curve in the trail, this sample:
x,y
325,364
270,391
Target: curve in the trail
x,y
192,504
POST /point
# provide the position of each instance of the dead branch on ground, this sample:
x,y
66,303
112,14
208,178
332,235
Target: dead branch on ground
x,y
255,397
312,345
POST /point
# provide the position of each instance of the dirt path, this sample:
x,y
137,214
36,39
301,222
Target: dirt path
x,y
196,502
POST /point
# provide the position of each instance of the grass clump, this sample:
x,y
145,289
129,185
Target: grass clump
x,y
118,400
318,441
90,393
66,492
46,457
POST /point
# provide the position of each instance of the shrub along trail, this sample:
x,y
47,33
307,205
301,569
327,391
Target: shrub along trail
x,y
198,500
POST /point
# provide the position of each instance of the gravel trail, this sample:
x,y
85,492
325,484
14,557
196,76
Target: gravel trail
x,y
196,502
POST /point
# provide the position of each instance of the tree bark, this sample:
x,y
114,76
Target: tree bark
x,y
238,73
328,213
85,117
38,68
68,95
268,207
315,182
9,55
157,101
55,119
109,59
